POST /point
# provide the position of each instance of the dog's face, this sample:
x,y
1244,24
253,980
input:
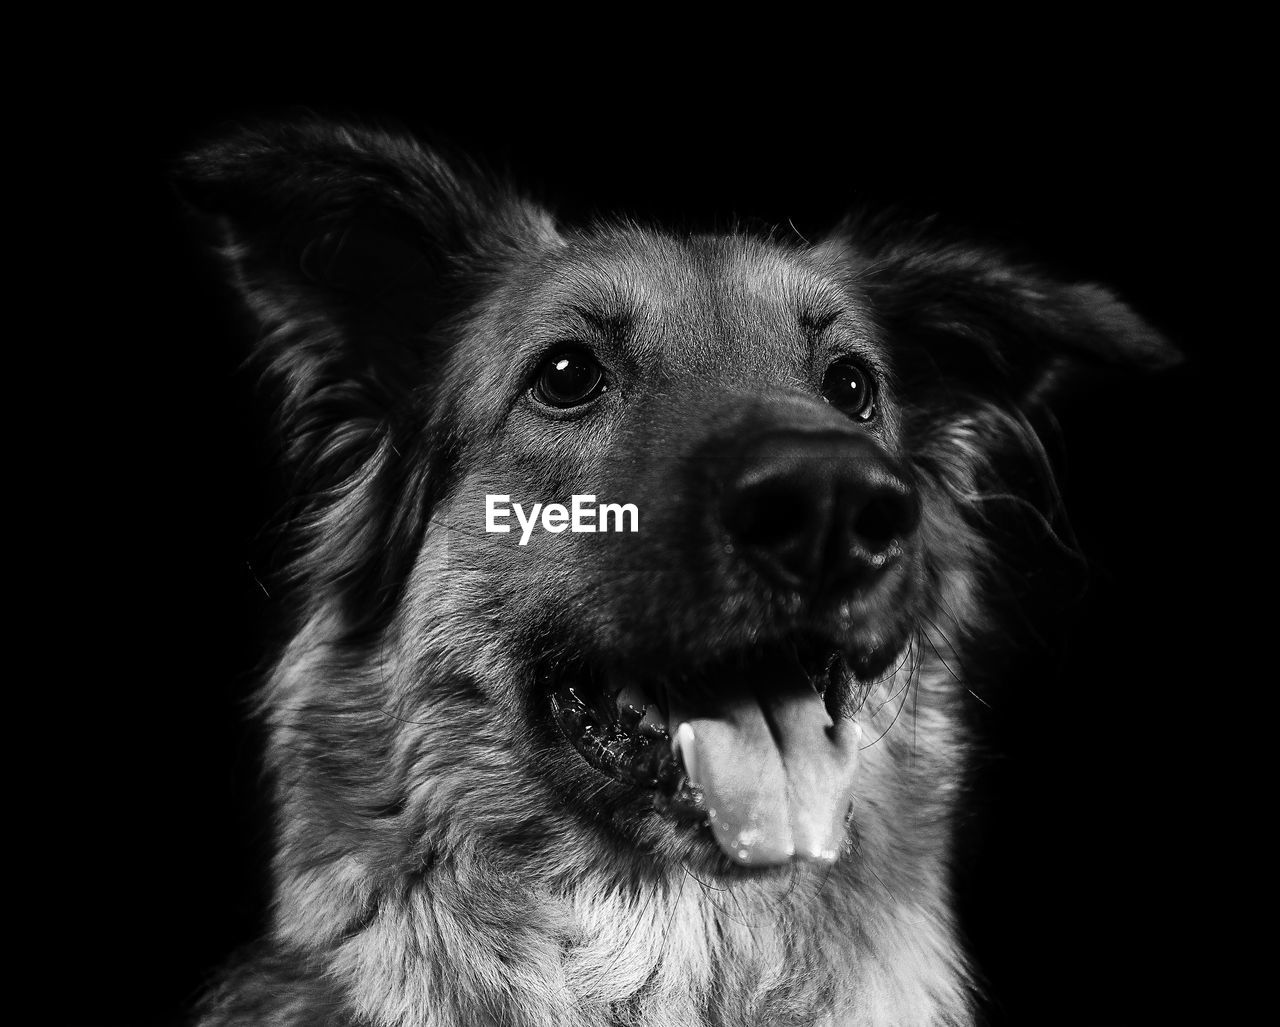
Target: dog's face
x,y
741,658
738,394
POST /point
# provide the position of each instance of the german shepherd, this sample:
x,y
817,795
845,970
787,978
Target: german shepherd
x,y
634,579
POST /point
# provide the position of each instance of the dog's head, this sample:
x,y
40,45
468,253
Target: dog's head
x,y
775,461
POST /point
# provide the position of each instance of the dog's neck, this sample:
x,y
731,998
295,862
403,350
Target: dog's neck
x,y
461,944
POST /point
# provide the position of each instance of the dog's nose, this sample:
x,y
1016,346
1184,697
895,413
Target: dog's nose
x,y
818,512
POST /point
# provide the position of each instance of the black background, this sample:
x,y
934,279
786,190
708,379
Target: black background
x,y
1077,908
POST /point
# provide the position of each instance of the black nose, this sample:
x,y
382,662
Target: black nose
x,y
818,512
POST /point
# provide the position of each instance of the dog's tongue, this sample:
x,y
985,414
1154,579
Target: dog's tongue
x,y
776,773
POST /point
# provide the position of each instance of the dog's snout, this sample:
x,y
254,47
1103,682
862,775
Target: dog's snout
x,y
818,512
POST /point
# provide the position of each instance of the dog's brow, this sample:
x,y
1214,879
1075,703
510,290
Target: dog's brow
x,y
816,322
613,325
815,317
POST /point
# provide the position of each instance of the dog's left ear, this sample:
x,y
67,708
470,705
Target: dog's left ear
x,y
968,318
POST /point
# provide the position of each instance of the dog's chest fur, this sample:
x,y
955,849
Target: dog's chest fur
x,y
672,956
661,958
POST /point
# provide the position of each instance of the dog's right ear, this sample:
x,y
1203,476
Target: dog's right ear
x,y
352,247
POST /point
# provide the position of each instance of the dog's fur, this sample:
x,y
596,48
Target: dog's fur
x,y
443,855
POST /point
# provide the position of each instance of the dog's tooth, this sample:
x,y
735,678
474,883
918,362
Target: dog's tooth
x,y
653,721
637,710
682,745
632,694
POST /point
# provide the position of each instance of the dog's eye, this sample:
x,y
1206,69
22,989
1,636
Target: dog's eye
x,y
847,386
568,378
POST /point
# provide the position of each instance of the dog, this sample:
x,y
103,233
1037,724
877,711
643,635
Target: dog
x,y
635,577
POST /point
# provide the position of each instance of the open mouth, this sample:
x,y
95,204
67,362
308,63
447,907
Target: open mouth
x,y
760,747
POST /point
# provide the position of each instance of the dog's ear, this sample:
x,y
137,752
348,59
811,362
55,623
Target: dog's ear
x,y
967,319
352,247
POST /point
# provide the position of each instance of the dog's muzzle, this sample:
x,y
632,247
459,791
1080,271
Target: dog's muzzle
x,y
762,742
